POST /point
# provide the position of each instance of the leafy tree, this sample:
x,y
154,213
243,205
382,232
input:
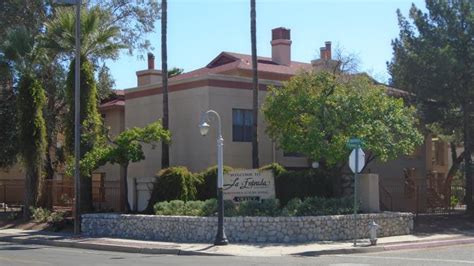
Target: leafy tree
x,y
91,122
165,149
97,40
28,14
175,71
21,52
135,19
31,135
105,83
126,148
253,33
8,136
433,58
316,114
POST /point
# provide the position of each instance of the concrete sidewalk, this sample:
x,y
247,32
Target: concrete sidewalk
x,y
233,249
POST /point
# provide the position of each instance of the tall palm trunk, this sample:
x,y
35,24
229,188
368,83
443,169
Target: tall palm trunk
x,y
253,33
467,158
165,150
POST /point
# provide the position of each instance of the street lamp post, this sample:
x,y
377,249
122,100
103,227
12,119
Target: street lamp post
x,y
77,115
221,238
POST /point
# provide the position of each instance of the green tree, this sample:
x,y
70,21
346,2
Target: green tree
x,y
433,59
8,135
175,71
91,122
124,149
21,52
165,149
135,19
105,83
316,114
98,41
255,110
31,135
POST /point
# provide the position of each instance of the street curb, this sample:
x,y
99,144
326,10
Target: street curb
x,y
182,252
388,247
107,247
430,244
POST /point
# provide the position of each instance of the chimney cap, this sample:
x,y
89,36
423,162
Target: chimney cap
x,y
281,33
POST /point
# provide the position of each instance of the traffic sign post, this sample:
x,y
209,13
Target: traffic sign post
x,y
356,163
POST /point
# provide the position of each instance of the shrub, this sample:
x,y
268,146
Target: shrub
x,y
208,186
176,183
312,206
267,207
40,215
315,206
303,184
174,207
54,219
194,208
210,207
276,168
291,208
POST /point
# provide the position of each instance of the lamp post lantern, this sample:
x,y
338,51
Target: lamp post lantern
x,y
221,238
77,114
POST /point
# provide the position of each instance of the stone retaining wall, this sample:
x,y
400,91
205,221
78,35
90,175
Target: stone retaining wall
x,y
243,229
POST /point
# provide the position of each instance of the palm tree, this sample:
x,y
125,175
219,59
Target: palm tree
x,y
165,149
21,50
253,33
98,41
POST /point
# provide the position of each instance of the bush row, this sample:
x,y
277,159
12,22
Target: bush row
x,y
178,183
311,206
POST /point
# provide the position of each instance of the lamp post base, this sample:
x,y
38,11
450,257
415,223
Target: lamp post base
x,y
221,240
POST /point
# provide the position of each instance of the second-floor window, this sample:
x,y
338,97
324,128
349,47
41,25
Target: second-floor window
x,y
242,125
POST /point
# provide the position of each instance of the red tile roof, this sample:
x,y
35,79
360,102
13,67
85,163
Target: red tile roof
x,y
113,103
236,61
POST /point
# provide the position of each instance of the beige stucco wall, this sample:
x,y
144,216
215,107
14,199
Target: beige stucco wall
x,y
188,147
115,121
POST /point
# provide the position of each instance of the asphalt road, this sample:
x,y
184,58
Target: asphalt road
x,y
15,255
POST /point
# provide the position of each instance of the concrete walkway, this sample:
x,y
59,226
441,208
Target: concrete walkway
x,y
234,249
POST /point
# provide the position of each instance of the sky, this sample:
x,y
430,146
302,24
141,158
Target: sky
x,y
198,30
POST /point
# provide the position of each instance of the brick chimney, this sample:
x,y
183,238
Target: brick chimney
x,y
328,50
150,75
281,46
325,61
151,61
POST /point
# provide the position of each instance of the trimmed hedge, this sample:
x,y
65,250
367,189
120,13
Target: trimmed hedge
x,y
207,189
176,183
313,206
303,184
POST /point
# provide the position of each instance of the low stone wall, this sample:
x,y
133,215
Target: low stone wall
x,y
243,229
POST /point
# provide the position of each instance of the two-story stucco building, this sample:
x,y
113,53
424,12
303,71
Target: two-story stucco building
x,y
225,85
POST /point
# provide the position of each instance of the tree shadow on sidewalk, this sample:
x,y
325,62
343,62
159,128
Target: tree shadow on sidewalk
x,y
429,224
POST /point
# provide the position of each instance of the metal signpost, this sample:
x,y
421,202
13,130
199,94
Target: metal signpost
x,y
356,163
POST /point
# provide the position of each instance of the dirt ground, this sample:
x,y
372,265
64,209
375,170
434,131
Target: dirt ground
x,y
7,222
